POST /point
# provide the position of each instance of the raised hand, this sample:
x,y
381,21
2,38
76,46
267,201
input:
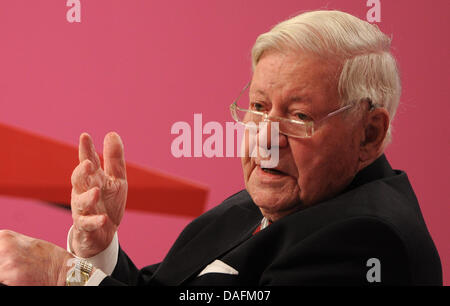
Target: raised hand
x,y
98,196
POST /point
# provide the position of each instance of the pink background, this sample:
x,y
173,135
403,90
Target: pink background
x,y
136,67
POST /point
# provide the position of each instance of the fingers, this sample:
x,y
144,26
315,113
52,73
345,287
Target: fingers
x,y
89,223
83,211
113,156
86,150
85,203
85,176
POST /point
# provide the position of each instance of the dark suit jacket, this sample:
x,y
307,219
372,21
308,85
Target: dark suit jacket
x,y
330,243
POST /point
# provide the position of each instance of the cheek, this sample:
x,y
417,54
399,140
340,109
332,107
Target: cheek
x,y
246,168
245,151
325,165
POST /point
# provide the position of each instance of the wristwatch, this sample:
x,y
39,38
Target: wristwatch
x,y
80,273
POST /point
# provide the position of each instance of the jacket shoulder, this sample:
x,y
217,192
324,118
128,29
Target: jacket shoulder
x,y
241,198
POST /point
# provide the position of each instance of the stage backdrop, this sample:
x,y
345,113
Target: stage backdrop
x,y
137,67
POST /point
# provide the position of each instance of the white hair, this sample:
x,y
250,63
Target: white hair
x,y
369,70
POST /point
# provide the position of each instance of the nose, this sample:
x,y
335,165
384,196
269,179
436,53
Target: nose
x,y
265,134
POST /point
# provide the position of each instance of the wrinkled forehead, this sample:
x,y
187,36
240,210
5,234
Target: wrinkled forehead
x,y
294,77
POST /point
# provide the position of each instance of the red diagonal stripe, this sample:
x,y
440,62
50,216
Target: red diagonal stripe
x,y
37,167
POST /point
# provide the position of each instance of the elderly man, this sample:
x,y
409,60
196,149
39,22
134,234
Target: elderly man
x,y
332,211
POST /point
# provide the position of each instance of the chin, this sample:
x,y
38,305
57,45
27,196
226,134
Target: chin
x,y
272,205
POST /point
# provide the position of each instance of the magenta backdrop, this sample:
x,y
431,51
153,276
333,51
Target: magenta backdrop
x,y
136,67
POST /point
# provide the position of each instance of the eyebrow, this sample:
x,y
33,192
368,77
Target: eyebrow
x,y
299,99
294,98
260,92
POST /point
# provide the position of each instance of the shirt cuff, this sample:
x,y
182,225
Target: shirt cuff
x,y
105,261
96,278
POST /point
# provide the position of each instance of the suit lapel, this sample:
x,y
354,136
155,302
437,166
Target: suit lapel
x,y
232,228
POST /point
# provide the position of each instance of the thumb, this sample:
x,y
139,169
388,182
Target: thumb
x,y
113,156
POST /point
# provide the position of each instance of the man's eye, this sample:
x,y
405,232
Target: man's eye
x,y
256,106
302,117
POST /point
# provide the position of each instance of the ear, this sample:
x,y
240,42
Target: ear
x,y
375,130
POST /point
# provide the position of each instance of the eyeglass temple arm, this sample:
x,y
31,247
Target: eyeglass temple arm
x,y
335,113
242,92
371,107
